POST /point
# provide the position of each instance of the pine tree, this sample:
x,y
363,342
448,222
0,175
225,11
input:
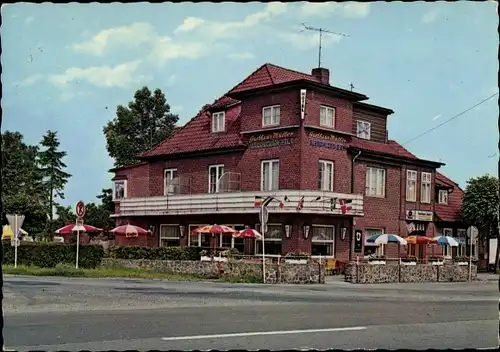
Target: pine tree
x,y
51,168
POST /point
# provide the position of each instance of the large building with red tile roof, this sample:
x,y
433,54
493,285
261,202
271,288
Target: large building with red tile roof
x,y
320,152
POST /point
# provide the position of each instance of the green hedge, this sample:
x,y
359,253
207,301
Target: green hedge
x,y
48,255
161,253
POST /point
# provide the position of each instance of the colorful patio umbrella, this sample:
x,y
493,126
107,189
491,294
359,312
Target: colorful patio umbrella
x,y
446,241
127,230
216,230
419,240
248,233
7,232
387,238
68,229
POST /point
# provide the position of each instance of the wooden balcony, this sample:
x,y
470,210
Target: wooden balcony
x,y
315,202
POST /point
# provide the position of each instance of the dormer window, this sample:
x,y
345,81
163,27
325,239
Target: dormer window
x,y
327,116
443,196
218,122
271,115
363,129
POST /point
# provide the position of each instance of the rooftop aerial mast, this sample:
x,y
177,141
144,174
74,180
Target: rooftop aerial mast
x,y
321,31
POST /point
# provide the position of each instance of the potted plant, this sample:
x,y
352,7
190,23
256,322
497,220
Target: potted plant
x,y
205,256
436,260
461,260
296,258
377,259
409,260
226,254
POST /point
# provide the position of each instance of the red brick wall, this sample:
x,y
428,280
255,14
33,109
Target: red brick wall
x,y
343,110
137,180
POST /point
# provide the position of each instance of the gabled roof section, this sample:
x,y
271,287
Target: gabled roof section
x,y
449,212
197,136
268,75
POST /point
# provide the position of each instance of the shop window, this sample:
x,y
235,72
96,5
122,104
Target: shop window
x,y
170,236
375,182
198,239
119,189
379,250
323,240
272,241
411,186
228,241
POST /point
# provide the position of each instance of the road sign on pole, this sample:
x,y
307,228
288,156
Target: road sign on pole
x,y
263,215
472,234
15,223
80,209
79,223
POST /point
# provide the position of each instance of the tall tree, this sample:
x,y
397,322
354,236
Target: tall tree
x,y
51,166
146,122
22,189
480,205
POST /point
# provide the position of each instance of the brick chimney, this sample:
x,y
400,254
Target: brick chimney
x,y
322,74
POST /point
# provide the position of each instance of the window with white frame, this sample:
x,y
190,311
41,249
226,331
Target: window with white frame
x,y
170,182
271,115
443,196
380,250
375,182
227,241
323,240
198,239
215,172
425,187
272,241
170,235
363,129
270,175
447,251
462,240
411,185
327,116
326,175
119,189
218,122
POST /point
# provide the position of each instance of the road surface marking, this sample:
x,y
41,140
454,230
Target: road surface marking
x,y
261,333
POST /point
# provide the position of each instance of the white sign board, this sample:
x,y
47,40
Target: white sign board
x,y
15,223
493,250
263,215
472,233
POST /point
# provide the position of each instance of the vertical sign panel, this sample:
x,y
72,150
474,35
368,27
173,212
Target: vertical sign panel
x,y
358,241
302,103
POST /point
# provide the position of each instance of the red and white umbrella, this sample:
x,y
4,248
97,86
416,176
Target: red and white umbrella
x,y
68,229
215,230
129,230
248,233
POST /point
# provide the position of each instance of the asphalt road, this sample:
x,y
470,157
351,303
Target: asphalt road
x,y
83,314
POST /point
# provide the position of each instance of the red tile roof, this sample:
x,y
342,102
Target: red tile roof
x,y
197,135
449,212
392,148
268,75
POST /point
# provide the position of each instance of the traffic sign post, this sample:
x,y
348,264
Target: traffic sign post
x,y
472,234
15,223
80,213
263,215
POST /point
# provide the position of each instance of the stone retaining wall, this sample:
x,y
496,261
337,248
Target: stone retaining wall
x,y
312,273
370,274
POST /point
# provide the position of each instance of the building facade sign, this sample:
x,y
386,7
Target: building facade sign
x,y
322,140
275,139
419,215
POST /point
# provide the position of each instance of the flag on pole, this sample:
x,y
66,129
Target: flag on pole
x,y
257,202
333,203
344,208
300,204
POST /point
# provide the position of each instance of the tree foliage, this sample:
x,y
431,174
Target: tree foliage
x,y
51,167
146,122
480,202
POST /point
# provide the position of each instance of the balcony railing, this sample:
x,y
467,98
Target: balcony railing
x,y
314,202
178,185
230,182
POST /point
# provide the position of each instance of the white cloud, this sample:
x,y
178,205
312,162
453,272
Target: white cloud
x,y
165,48
189,24
430,17
28,81
241,56
28,20
101,76
325,9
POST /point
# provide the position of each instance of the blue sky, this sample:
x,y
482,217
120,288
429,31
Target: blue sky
x,y
66,68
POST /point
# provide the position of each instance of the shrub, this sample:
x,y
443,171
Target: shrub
x,y
409,259
296,255
161,253
49,255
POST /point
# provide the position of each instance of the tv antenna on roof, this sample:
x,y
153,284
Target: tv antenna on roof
x,y
321,31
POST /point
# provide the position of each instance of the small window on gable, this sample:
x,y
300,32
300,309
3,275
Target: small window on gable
x,y
363,129
218,122
119,189
443,196
271,115
327,116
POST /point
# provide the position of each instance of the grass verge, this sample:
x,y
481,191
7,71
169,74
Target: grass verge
x,y
70,271
65,270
